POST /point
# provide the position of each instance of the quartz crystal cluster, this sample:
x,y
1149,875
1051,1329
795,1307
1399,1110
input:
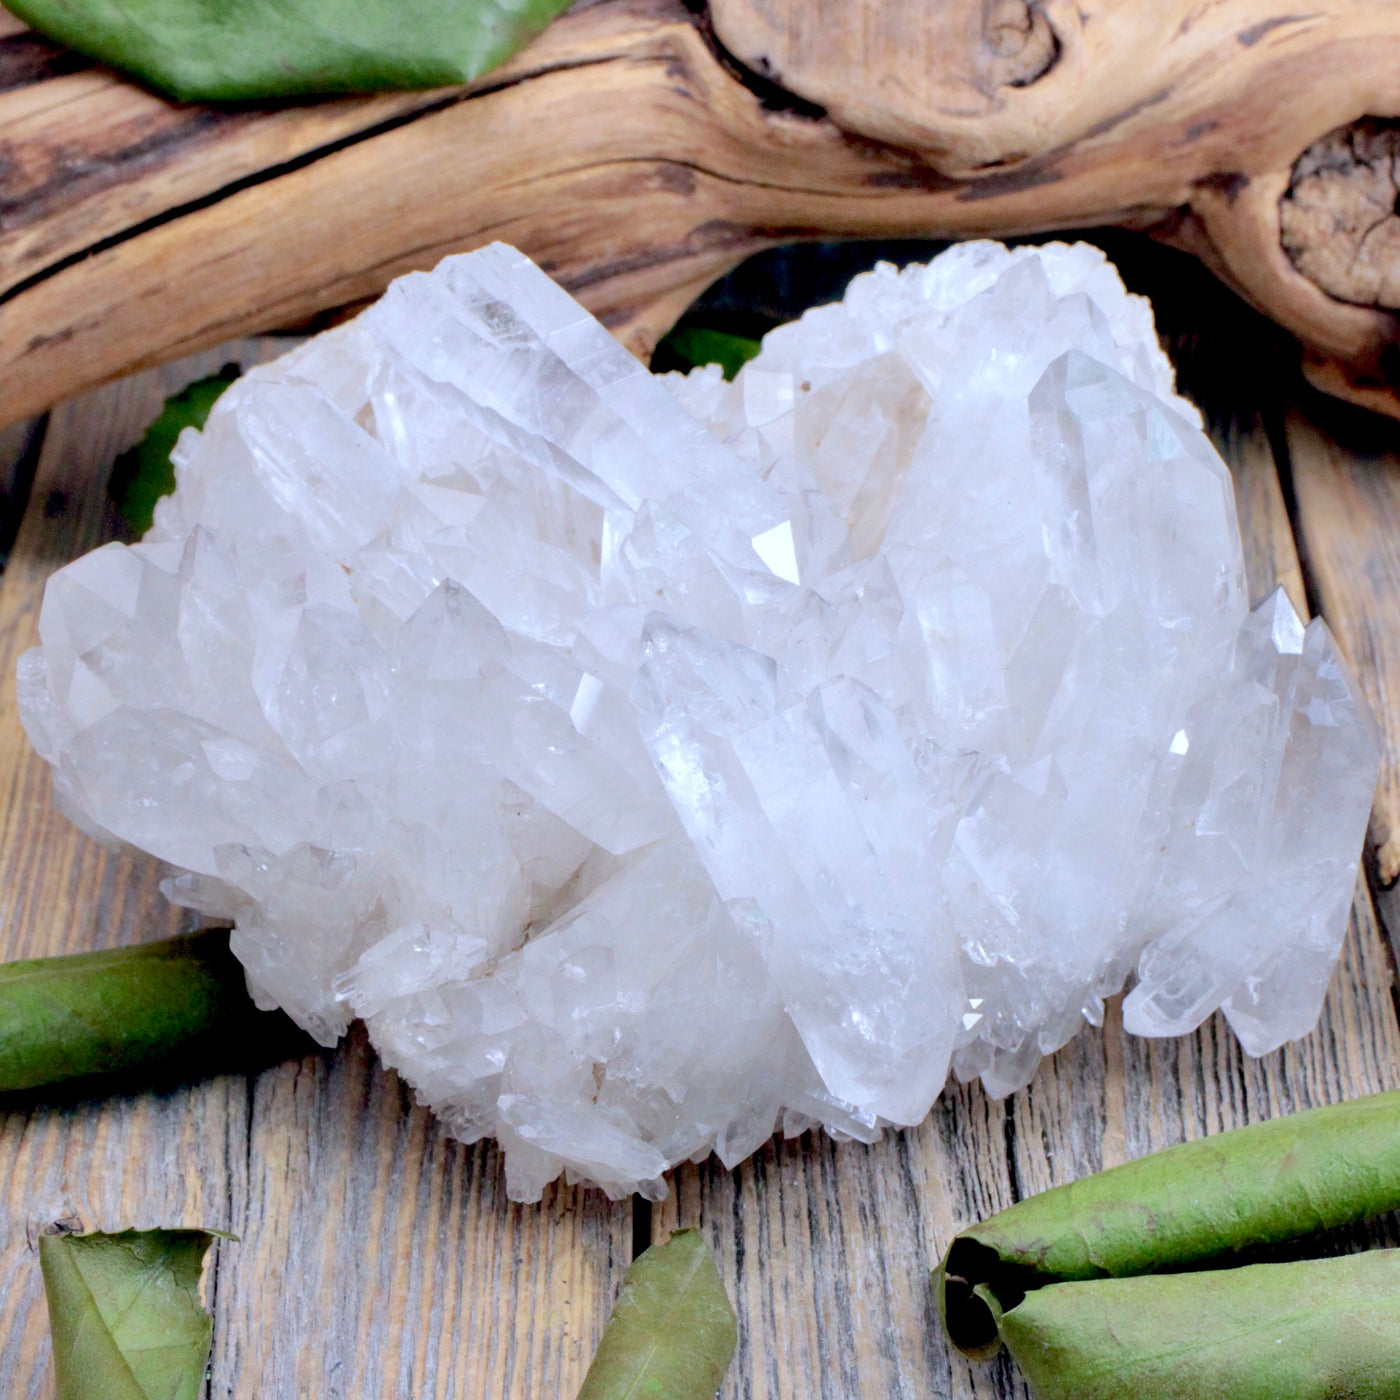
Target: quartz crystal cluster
x,y
653,762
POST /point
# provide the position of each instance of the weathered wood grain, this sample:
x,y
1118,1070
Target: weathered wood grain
x,y
379,1258
629,152
86,157
987,87
825,1249
376,1258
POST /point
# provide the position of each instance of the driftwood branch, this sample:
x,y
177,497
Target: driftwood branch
x,y
641,148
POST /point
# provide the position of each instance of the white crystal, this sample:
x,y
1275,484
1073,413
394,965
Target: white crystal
x,y
653,763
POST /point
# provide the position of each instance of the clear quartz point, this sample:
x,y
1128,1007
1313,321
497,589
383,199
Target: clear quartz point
x,y
657,763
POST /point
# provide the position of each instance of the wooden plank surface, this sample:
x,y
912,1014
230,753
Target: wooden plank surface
x,y
378,1259
375,1256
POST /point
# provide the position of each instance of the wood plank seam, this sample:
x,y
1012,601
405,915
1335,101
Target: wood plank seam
x,y
17,478
1273,422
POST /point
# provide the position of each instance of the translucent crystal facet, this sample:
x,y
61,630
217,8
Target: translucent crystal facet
x,y
653,762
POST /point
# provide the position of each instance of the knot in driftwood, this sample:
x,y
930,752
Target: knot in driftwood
x,y
1340,220
1020,41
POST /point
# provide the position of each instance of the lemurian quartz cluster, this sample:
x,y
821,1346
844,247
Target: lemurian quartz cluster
x,y
653,762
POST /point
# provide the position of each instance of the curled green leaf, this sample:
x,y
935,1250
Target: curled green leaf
x,y
145,473
174,1008
672,1333
125,1314
1322,1329
1201,1201
688,346
196,51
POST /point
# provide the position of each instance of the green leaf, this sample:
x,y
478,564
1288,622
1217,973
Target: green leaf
x,y
1197,1202
689,346
125,1314
142,475
195,50
178,1007
1322,1329
671,1334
